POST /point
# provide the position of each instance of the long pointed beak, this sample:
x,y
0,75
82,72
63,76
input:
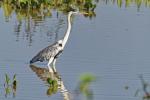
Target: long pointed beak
x,y
83,13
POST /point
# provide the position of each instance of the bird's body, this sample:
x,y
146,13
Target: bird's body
x,y
51,52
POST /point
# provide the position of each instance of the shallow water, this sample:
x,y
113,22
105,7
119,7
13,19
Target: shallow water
x,y
113,46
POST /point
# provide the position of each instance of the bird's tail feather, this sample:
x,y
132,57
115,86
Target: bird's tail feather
x,y
35,59
32,61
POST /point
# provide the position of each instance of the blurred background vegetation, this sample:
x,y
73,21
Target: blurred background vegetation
x,y
43,8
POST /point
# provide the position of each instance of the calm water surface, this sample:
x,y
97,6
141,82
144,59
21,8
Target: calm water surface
x,y
114,46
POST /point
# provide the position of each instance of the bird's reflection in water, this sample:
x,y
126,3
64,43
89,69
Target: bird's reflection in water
x,y
53,81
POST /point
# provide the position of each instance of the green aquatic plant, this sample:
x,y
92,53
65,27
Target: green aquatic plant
x,y
49,81
10,85
7,91
7,79
52,90
84,85
53,86
7,85
87,78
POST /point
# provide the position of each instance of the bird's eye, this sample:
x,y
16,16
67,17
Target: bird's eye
x,y
60,44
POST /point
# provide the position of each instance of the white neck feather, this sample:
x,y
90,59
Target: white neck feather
x,y
68,31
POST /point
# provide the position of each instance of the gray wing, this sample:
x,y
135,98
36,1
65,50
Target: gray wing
x,y
46,53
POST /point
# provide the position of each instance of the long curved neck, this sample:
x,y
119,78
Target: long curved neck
x,y
67,32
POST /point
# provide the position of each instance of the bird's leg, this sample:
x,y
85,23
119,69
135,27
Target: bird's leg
x,y
54,64
49,64
50,69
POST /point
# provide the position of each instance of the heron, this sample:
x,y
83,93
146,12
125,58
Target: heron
x,y
52,52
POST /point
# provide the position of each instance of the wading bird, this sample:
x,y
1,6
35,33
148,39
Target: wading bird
x,y
51,52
